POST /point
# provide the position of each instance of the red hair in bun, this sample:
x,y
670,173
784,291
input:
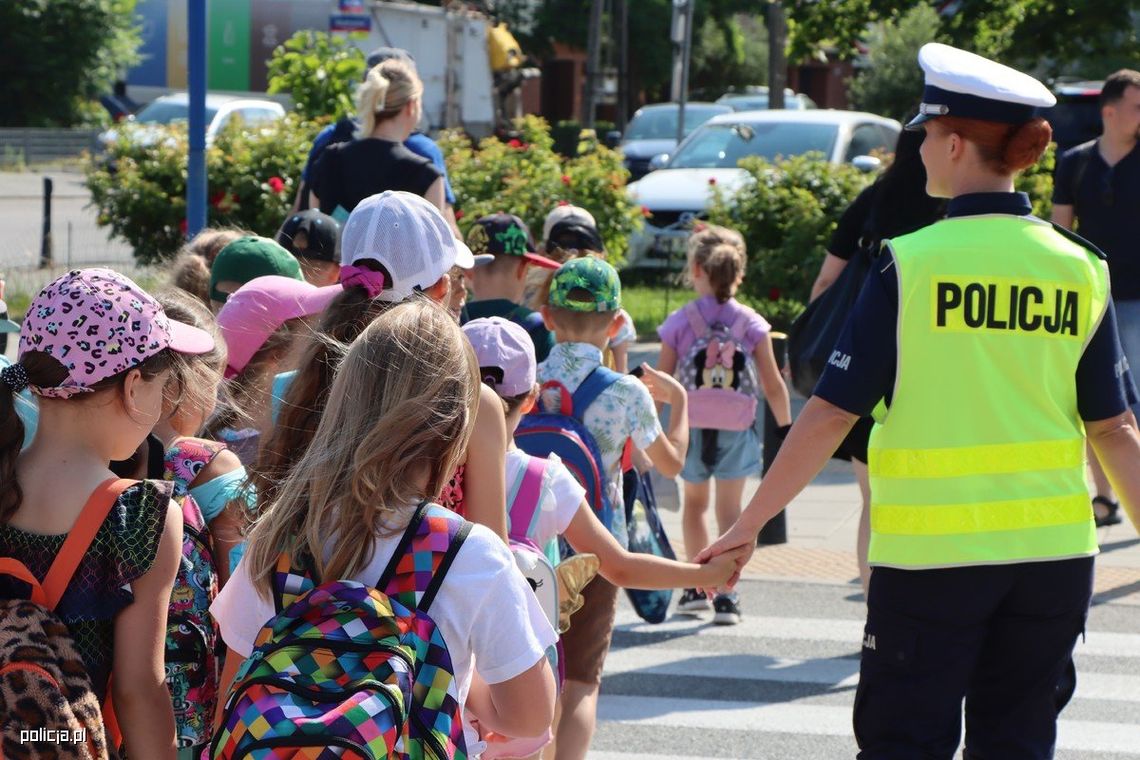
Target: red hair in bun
x,y
1005,148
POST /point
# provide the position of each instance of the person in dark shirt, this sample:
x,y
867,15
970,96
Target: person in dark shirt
x,y
1096,190
344,130
895,204
500,285
347,173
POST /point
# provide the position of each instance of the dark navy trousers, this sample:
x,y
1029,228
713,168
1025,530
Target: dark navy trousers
x,y
999,637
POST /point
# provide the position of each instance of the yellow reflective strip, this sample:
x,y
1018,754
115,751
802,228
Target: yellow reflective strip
x,y
993,459
945,519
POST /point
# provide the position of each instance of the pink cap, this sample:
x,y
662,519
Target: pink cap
x,y
98,323
505,352
255,310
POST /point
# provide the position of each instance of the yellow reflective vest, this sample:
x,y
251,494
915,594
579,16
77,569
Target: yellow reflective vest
x,y
980,458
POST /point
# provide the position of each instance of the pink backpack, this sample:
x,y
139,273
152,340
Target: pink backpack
x,y
719,374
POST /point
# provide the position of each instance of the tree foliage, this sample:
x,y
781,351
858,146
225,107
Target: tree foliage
x,y
319,71
57,55
892,83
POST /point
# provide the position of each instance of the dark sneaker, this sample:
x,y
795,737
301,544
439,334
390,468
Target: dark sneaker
x,y
693,601
727,607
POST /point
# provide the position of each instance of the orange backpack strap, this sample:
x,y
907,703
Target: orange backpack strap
x,y
79,539
20,571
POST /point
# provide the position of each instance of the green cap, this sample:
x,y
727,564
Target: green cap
x,y
248,258
591,275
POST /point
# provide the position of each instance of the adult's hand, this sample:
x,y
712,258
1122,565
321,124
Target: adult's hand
x,y
739,538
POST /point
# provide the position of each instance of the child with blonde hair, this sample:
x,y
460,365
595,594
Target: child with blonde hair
x,y
357,505
721,351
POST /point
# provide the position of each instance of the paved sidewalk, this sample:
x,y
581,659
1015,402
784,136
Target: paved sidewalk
x,y
823,523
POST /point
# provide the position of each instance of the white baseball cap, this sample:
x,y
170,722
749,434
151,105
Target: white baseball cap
x,y
562,213
408,236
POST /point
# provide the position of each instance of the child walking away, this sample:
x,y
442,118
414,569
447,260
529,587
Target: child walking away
x,y
545,500
582,312
259,323
101,554
353,574
721,351
500,285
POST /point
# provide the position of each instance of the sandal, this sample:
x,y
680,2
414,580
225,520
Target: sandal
x,y
1111,516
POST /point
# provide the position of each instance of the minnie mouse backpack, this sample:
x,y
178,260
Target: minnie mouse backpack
x,y
718,374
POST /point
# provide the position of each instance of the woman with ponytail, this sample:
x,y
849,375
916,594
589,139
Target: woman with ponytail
x,y
986,346
389,108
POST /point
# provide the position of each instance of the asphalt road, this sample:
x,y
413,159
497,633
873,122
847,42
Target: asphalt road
x,y
781,684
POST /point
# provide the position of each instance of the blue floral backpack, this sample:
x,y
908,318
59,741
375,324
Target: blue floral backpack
x,y
350,671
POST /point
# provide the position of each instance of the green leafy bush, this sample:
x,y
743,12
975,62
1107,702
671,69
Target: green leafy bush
x,y
786,212
319,72
139,186
526,177
1037,180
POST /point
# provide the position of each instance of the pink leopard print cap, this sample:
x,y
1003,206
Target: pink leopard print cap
x,y
98,323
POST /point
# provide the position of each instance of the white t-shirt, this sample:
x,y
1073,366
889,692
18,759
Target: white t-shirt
x,y
484,609
560,495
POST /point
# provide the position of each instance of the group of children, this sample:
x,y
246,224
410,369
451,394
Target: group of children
x,y
226,487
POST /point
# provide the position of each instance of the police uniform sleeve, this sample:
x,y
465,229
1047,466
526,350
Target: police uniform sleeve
x,y
861,370
1105,386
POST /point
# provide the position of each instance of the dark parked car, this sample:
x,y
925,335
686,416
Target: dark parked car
x,y
653,131
1076,117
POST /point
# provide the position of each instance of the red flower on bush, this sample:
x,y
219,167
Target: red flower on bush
x,y
566,179
774,294
646,212
184,226
276,184
563,203
514,142
712,180
459,213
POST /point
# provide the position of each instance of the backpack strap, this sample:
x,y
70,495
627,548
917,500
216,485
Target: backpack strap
x,y
80,537
696,320
525,504
291,579
593,386
422,558
739,327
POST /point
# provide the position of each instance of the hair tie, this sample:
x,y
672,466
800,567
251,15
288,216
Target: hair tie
x,y
15,377
372,281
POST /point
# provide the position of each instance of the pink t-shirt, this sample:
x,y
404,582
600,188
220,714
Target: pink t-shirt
x,y
677,333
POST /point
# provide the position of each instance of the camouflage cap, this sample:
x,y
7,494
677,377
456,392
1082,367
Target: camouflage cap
x,y
591,275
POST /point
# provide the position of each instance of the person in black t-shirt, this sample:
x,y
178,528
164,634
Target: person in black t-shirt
x,y
1096,190
347,173
894,205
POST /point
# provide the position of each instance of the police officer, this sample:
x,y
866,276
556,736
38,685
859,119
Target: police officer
x,y
986,345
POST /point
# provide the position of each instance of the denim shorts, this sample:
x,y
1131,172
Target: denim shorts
x,y
737,455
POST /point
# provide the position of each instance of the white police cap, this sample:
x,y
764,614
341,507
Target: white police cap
x,y
960,83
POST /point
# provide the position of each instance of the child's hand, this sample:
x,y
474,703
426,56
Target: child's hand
x,y
723,570
662,387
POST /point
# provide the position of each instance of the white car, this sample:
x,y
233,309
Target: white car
x,y
170,109
679,192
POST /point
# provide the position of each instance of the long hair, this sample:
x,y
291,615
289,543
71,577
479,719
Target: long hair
x,y
721,254
387,89
396,426
195,377
900,204
304,403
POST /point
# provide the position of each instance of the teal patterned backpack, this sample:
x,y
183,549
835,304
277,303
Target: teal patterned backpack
x,y
352,672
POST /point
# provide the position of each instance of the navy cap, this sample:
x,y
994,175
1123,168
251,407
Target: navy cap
x,y
963,84
319,236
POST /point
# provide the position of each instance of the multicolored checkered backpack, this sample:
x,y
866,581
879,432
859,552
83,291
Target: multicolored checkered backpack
x,y
349,671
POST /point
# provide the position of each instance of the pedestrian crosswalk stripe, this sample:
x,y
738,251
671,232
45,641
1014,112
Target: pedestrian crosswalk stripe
x,y
838,672
758,717
1097,643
